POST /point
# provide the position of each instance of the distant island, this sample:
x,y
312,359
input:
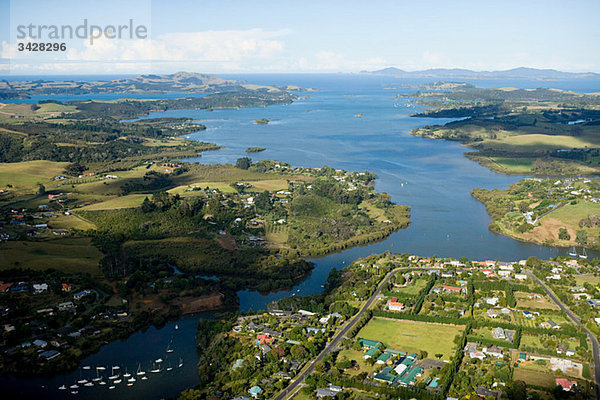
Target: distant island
x,y
189,82
264,121
459,73
255,149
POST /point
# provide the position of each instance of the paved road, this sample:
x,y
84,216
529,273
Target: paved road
x,y
577,321
331,346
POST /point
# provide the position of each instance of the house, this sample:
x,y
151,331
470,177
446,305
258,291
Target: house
x,y
521,277
498,333
5,287
505,266
491,300
477,354
271,332
325,393
67,306
262,339
40,343
306,313
264,348
252,327
565,384
493,351
484,392
280,313
488,272
385,375
370,347
491,313
504,274
60,232
527,314
593,302
66,287
82,294
39,288
394,305
453,289
335,388
49,354
505,311
255,391
555,277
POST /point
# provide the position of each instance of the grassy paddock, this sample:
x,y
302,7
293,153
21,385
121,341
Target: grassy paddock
x,y
27,174
65,254
131,200
413,336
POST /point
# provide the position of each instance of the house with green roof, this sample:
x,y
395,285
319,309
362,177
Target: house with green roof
x,y
388,355
385,375
409,378
371,347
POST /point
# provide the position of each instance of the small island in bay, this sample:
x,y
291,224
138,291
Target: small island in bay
x,y
264,121
255,149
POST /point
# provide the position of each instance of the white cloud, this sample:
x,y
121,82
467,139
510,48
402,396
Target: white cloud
x,y
228,49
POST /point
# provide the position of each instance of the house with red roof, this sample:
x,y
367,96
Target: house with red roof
x,y
454,289
566,384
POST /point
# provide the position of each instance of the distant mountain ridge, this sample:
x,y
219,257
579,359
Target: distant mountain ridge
x,y
460,73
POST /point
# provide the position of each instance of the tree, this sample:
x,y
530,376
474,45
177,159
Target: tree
x,y
563,234
581,237
523,207
148,206
75,169
41,189
243,163
298,351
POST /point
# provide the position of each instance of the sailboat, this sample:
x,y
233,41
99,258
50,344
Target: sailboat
x,y
155,369
76,386
573,252
126,374
113,376
112,387
176,326
169,368
583,254
139,371
63,387
169,349
144,378
180,363
131,380
158,360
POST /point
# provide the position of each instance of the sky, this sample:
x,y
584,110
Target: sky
x,y
266,36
